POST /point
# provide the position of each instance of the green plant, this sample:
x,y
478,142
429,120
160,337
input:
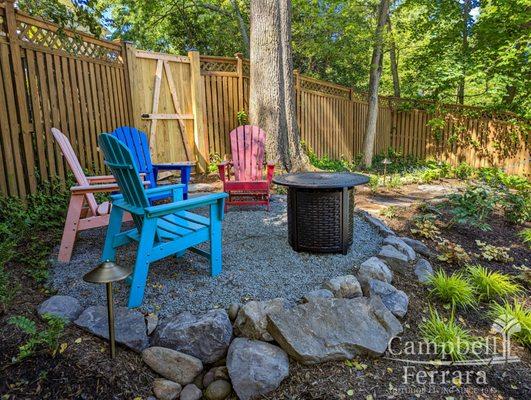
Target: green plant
x,y
517,311
473,206
374,182
517,206
450,339
437,125
452,253
8,289
454,289
494,253
47,338
463,171
242,117
390,212
31,230
215,159
425,228
489,284
525,234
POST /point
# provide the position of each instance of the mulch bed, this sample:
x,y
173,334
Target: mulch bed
x,y
84,370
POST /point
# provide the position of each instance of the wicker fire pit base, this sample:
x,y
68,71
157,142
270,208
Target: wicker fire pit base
x,y
320,210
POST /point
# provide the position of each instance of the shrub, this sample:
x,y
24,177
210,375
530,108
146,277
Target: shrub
x,y
516,311
452,253
525,234
463,171
452,289
517,206
489,284
473,206
47,338
374,182
450,339
494,253
35,227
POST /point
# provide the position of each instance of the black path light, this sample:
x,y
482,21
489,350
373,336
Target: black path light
x,y
108,272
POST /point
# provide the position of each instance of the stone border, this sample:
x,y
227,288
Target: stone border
x,y
235,344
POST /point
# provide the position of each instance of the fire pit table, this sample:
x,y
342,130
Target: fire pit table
x,y
320,210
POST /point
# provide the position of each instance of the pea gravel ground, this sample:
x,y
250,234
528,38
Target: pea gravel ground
x,y
258,264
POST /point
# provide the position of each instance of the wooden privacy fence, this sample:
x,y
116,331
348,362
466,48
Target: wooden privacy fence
x,y
51,77
188,105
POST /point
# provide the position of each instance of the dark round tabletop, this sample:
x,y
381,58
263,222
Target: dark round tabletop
x,y
321,180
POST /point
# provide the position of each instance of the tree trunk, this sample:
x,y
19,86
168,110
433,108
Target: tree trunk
x,y
374,83
464,52
298,158
272,96
242,25
393,59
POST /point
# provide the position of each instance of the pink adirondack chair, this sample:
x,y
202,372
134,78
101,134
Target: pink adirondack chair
x,y
249,186
84,212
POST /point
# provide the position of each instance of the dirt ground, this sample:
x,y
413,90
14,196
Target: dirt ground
x,y
84,370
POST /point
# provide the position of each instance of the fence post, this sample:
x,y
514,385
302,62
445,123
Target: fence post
x,y
128,55
198,109
239,70
20,90
298,98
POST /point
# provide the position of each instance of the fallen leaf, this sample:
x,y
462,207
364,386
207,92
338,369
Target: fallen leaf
x,y
389,369
78,340
63,347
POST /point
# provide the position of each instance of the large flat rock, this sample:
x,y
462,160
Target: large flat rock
x,y
206,336
129,325
334,329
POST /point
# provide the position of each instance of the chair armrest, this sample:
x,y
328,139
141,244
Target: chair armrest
x,y
101,179
110,187
196,202
174,166
270,172
175,191
223,170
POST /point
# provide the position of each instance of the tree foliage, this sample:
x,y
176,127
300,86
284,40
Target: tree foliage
x,y
332,40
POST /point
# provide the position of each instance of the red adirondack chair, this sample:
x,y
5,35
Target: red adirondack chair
x,y
249,186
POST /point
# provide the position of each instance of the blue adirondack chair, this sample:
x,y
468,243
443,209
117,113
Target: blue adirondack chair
x,y
160,230
137,142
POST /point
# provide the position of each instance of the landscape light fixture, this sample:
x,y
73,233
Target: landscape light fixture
x,y
108,272
385,163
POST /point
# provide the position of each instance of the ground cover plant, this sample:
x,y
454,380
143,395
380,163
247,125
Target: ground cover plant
x,y
451,340
490,284
454,289
516,311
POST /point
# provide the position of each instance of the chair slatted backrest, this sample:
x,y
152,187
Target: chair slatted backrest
x,y
75,166
247,145
136,141
120,161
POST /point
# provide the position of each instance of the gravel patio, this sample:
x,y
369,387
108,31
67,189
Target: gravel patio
x,y
258,264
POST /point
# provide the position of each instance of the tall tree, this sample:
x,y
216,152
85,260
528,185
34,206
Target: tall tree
x,y
467,6
374,83
272,95
393,59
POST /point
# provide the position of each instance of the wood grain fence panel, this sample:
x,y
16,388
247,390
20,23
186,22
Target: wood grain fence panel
x,y
37,117
12,141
